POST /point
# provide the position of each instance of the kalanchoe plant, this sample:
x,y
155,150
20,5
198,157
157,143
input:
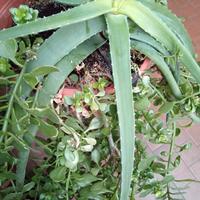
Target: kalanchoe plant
x,y
23,14
144,25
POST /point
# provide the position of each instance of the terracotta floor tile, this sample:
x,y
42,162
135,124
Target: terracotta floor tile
x,y
152,146
194,133
192,192
195,168
190,189
149,197
183,137
183,172
192,155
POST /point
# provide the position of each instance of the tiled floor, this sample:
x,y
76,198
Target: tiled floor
x,y
190,163
190,11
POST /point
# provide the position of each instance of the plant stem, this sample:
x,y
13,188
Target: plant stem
x,y
67,185
171,154
133,192
10,104
158,92
149,123
171,146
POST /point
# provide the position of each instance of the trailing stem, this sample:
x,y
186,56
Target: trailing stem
x,y
172,143
10,104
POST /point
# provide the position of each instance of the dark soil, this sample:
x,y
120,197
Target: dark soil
x,y
98,63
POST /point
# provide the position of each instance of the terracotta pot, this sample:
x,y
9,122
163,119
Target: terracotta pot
x,y
5,16
146,65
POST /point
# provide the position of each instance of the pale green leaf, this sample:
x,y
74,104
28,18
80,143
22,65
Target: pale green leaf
x,y
166,107
55,80
95,123
142,104
78,14
121,66
152,24
48,129
31,80
43,70
85,179
158,59
49,54
58,174
45,113
8,50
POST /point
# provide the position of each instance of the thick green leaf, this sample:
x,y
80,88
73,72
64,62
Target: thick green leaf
x,y
71,158
120,55
73,123
152,24
72,2
140,35
58,174
66,66
45,113
28,186
172,21
66,38
166,107
22,161
95,156
142,104
85,179
78,14
95,123
8,50
31,80
158,59
48,129
43,70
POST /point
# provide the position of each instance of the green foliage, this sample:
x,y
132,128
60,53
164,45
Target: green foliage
x,y
83,136
23,14
4,65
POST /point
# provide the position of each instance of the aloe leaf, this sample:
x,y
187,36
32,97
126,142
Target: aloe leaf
x,y
54,81
120,55
65,40
72,2
172,21
141,36
62,42
23,159
152,24
158,59
78,14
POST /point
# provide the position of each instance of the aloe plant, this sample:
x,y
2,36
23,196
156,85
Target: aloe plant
x,y
161,35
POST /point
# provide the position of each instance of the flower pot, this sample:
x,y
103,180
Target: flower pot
x,y
146,65
5,16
